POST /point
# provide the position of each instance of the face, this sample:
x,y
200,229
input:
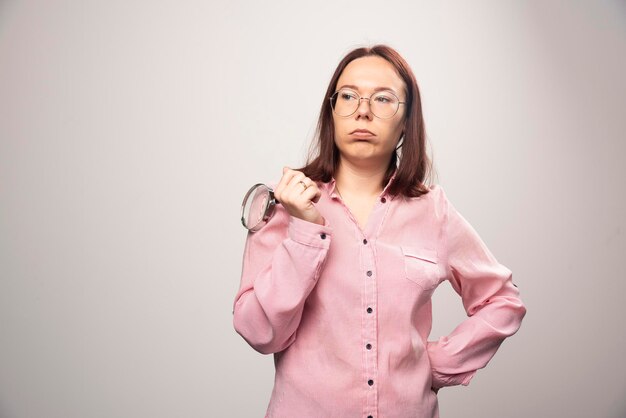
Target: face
x,y
365,75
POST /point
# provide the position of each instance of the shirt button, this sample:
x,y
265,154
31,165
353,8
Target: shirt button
x,y
364,241
369,273
369,310
368,346
382,199
370,382
323,236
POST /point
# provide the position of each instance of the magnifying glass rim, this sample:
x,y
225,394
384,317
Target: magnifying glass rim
x,y
267,210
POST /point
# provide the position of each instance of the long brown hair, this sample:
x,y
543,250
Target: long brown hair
x,y
414,164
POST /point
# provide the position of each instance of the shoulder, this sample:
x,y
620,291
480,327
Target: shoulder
x,y
436,195
431,206
437,189
435,201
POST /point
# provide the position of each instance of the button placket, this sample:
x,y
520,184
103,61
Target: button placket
x,y
369,322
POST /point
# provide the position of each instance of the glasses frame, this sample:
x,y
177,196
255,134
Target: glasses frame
x,y
368,102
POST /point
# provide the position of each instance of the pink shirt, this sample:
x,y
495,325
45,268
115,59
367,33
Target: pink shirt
x,y
347,312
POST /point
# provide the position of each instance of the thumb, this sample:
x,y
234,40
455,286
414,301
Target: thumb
x,y
285,169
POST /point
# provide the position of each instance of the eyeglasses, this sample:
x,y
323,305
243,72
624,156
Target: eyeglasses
x,y
383,104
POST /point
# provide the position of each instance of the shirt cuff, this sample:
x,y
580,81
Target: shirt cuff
x,y
310,233
439,379
468,377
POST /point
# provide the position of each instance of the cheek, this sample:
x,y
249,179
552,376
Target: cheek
x,y
399,128
395,130
337,130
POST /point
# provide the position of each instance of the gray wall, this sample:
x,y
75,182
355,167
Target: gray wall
x,y
129,131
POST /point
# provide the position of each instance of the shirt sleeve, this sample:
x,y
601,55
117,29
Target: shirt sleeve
x,y
490,299
281,265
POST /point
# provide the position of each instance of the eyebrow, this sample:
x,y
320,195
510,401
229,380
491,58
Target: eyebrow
x,y
375,89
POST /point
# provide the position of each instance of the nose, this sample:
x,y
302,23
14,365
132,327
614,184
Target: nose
x,y
364,110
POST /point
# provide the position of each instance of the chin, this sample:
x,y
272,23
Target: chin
x,y
362,156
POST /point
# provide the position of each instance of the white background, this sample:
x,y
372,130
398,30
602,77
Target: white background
x,y
130,130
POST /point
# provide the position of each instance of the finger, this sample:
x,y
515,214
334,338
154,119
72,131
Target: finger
x,y
297,177
296,194
312,193
307,181
284,181
309,184
294,187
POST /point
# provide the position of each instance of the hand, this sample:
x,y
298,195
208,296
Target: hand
x,y
297,199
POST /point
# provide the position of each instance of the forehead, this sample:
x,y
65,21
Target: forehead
x,y
370,73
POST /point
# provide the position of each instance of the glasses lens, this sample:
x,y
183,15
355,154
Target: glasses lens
x,y
345,102
254,206
384,104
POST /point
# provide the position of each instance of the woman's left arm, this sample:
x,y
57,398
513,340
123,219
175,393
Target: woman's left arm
x,y
490,299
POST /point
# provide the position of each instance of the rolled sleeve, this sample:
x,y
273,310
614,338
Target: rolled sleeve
x,y
309,233
490,299
281,265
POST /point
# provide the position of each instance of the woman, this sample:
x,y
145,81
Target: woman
x,y
338,284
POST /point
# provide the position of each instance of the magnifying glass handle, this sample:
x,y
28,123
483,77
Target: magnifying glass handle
x,y
273,197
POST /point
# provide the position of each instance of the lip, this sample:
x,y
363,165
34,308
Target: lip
x,y
362,133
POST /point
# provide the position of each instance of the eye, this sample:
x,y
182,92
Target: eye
x,y
383,98
346,95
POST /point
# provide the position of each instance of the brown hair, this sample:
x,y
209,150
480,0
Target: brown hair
x,y
414,164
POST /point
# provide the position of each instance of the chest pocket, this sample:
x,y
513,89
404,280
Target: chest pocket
x,y
421,266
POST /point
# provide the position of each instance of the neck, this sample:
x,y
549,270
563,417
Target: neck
x,y
352,180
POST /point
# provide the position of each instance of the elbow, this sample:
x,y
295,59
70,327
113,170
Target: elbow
x,y
263,344
521,311
263,349
504,314
271,347
259,342
516,312
515,305
261,337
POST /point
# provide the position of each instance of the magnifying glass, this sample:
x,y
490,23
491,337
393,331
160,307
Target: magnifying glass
x,y
257,207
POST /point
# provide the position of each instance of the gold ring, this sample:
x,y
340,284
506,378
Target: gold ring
x,y
304,184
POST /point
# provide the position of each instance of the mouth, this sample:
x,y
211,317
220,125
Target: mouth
x,y
362,133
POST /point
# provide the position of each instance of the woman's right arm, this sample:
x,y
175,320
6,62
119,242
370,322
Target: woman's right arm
x,y
281,265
